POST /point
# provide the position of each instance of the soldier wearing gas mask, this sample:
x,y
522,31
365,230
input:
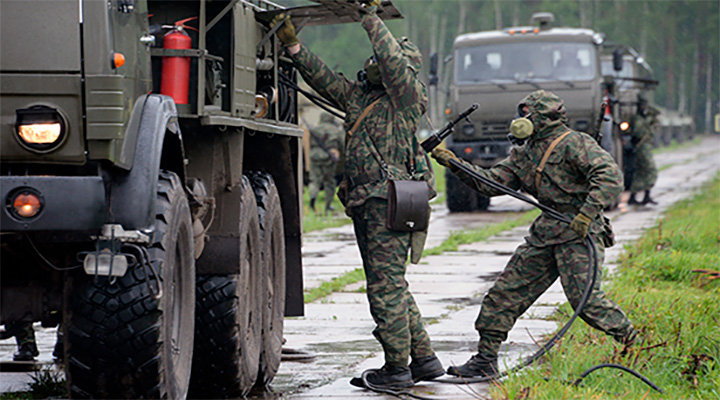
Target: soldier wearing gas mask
x,y
569,172
382,110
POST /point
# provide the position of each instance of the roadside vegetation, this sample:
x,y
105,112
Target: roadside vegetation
x,y
668,283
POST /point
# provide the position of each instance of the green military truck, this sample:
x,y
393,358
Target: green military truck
x,y
498,68
152,182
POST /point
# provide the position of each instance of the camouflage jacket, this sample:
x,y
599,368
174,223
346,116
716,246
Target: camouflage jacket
x,y
332,138
392,122
641,130
579,176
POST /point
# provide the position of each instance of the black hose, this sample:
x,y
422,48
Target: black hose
x,y
317,100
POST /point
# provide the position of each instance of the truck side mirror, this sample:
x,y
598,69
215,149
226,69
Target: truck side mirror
x,y
618,60
432,77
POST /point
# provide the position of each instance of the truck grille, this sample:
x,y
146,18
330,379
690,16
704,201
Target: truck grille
x,y
495,130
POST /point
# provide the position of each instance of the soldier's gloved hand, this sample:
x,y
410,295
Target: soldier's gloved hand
x,y
443,156
366,6
285,33
580,224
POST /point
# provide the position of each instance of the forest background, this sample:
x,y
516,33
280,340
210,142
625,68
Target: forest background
x,y
680,39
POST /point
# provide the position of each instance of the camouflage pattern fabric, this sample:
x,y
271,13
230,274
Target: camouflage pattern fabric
x,y
23,331
645,172
389,128
579,176
384,252
529,274
322,167
403,101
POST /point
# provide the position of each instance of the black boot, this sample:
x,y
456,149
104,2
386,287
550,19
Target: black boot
x,y
632,199
426,368
312,203
26,352
479,365
387,377
647,199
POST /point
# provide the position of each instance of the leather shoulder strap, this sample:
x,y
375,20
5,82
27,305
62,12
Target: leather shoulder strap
x,y
539,169
362,116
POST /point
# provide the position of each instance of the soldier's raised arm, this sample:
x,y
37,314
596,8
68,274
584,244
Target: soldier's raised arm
x,y
331,85
399,75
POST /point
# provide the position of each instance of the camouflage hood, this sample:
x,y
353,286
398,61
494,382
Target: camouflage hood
x,y
411,52
547,112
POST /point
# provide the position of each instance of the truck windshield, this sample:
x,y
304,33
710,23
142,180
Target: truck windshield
x,y
518,62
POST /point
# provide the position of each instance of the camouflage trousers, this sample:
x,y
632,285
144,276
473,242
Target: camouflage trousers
x,y
322,174
646,172
384,253
529,274
22,330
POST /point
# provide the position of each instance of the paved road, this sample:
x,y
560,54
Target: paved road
x,y
447,288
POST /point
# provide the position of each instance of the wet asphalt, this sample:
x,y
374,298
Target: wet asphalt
x,y
337,330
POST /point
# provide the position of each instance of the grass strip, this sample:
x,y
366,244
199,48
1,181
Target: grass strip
x,y
335,285
458,238
675,309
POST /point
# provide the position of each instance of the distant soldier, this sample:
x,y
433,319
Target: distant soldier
x,y
325,145
25,339
382,111
644,172
569,172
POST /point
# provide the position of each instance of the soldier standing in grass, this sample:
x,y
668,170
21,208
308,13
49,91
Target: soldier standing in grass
x,y
382,111
569,172
325,145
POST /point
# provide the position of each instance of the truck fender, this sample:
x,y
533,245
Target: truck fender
x,y
131,193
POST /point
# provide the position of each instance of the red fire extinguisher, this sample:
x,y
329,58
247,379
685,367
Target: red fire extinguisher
x,y
175,80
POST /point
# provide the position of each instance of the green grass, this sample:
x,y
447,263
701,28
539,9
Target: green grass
x,y
476,235
676,311
334,285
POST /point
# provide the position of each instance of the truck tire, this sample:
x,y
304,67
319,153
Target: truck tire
x,y
461,198
273,256
228,317
122,340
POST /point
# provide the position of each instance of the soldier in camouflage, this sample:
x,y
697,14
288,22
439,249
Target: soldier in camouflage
x,y
380,144
25,339
322,160
579,180
644,171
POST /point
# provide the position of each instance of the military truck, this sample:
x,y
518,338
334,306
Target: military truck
x,y
497,69
152,178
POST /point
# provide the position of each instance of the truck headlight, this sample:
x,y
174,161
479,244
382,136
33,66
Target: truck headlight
x,y
624,126
39,128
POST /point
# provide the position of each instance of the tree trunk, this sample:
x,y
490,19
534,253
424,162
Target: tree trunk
x,y
461,17
581,10
498,15
708,93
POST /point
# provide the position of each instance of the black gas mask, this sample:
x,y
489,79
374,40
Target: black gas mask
x,y
370,74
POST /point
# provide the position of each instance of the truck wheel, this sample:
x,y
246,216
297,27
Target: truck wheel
x,y
273,256
483,202
123,341
460,198
228,317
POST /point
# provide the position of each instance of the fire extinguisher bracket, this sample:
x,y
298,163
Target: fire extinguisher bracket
x,y
194,53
